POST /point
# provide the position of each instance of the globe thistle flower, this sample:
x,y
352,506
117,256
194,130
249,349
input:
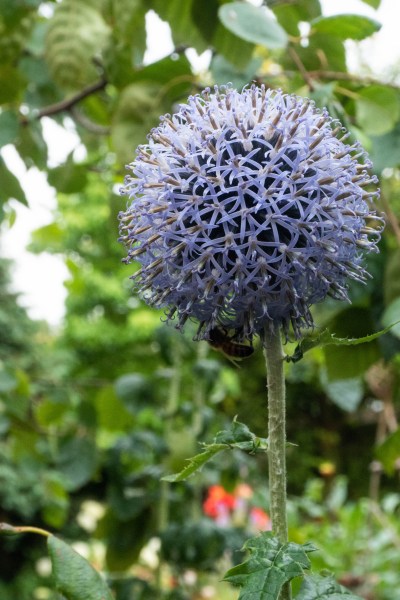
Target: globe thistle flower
x,y
247,208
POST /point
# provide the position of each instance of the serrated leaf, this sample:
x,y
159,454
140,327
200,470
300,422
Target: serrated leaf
x,y
239,437
317,587
389,452
74,577
377,109
354,27
325,338
252,24
270,566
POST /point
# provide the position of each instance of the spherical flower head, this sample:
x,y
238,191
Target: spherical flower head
x,y
247,208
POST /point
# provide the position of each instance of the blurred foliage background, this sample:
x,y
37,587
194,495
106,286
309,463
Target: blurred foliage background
x,y
94,413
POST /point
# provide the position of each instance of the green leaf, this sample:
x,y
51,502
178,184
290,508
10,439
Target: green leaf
x,y
77,461
354,27
8,127
391,317
270,566
374,3
237,51
252,24
345,393
317,587
68,178
290,15
325,338
183,27
74,577
222,71
386,150
389,452
10,186
239,437
135,391
377,109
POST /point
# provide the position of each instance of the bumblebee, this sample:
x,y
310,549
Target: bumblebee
x,y
221,340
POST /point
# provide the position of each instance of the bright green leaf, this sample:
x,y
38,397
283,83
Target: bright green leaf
x,y
377,109
355,27
270,566
317,587
252,24
374,3
389,452
74,577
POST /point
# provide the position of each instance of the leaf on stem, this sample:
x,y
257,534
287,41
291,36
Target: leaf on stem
x,y
317,587
325,338
74,577
270,566
237,437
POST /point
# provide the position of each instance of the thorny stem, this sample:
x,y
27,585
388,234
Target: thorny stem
x,y
274,360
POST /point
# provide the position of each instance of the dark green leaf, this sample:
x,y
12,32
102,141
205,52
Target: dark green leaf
x,y
355,27
135,391
74,577
10,186
252,24
290,15
324,51
317,587
237,51
270,566
183,27
389,452
77,461
377,109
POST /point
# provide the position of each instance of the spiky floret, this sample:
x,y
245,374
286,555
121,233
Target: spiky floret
x,y
247,208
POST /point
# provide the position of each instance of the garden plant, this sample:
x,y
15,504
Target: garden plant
x,y
218,419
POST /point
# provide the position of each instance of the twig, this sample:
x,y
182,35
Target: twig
x,y
68,103
303,71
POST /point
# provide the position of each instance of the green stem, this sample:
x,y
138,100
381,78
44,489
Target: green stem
x,y
274,359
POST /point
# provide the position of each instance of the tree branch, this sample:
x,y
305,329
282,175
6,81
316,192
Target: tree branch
x,y
68,103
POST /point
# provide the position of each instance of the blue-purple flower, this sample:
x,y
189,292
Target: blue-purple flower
x,y
247,208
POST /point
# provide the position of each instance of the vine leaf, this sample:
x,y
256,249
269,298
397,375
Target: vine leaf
x,y
270,566
237,437
325,338
74,577
318,587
